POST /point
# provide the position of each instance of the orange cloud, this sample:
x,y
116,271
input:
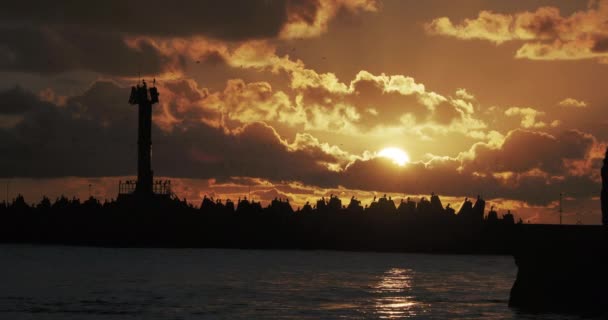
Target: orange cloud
x,y
570,102
307,19
528,116
547,34
49,95
464,94
321,101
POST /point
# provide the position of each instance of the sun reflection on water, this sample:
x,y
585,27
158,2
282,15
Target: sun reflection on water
x,y
393,299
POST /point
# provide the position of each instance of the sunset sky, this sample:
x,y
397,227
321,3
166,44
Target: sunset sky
x,y
302,99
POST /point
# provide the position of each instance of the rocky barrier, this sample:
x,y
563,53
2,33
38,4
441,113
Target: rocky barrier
x,y
561,269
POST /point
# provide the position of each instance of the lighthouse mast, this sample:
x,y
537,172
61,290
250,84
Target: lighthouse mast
x,y
144,98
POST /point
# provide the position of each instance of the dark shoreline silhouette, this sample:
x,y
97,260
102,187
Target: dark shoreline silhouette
x,y
169,222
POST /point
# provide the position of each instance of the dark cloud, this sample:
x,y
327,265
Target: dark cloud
x,y
187,89
103,104
213,59
74,140
222,19
600,44
55,50
525,150
254,151
16,101
389,106
50,38
544,23
304,10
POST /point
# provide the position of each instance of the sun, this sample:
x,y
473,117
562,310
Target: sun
x,y
398,156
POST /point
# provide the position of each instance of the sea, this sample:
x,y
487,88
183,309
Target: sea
x,y
64,282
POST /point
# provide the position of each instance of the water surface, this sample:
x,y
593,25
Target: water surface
x,y
56,282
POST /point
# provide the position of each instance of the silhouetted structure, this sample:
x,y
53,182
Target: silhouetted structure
x,y
561,269
493,216
354,206
144,188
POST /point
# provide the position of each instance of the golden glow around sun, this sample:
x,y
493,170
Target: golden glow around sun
x,y
397,155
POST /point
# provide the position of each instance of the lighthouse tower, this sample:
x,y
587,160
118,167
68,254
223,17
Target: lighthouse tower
x,y
144,187
144,98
